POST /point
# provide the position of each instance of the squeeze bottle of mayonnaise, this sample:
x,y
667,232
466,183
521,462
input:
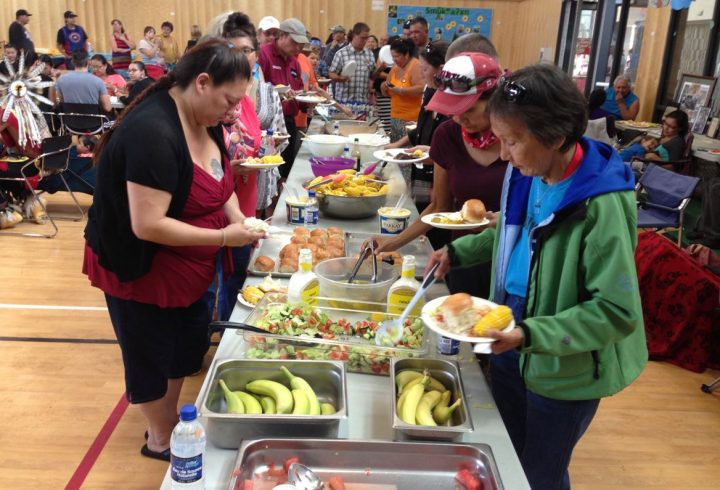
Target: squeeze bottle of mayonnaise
x,y
304,285
403,290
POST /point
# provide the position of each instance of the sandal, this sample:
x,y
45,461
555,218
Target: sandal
x,y
161,455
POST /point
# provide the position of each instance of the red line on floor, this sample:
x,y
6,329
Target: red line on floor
x,y
91,456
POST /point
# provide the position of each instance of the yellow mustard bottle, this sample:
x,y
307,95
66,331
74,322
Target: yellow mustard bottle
x,y
403,290
304,286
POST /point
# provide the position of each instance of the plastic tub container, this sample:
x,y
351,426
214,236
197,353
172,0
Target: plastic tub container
x,y
295,210
322,166
326,145
393,223
334,274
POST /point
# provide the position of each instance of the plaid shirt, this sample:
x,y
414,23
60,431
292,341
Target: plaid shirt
x,y
356,89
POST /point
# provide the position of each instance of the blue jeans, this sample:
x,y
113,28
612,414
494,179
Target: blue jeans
x,y
228,287
543,431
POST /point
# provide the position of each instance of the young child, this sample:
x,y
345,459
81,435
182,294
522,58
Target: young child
x,y
647,144
85,146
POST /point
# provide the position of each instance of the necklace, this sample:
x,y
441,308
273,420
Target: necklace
x,y
539,198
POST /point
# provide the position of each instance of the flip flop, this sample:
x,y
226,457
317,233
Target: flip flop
x,y
161,455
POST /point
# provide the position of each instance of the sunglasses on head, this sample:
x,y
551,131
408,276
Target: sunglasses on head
x,y
511,90
459,84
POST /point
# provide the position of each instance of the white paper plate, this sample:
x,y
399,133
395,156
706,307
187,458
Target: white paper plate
x,y
281,137
385,55
261,165
349,69
282,89
324,80
310,99
389,156
427,219
243,302
428,316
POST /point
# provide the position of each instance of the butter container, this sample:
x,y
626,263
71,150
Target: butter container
x,y
393,221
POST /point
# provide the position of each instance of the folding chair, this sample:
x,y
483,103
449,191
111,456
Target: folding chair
x,y
83,119
667,195
53,160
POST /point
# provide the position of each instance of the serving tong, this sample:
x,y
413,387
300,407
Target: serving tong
x,y
369,250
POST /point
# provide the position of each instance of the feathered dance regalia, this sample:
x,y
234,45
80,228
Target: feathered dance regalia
x,y
18,90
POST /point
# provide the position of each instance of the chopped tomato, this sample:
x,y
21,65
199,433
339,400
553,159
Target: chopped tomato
x,y
469,480
276,472
336,483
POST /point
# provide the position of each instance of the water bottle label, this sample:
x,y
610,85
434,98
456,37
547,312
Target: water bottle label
x,y
186,470
311,216
448,346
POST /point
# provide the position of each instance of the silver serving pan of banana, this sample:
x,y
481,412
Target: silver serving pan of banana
x,y
228,430
448,374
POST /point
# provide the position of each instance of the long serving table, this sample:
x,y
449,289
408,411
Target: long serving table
x,y
370,397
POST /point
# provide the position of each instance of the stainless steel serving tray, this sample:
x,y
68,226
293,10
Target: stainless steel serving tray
x,y
369,465
448,373
227,430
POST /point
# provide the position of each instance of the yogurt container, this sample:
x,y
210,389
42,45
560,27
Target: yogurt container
x,y
393,222
295,210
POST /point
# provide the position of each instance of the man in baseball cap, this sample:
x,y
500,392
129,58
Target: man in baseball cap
x,y
71,37
19,36
267,30
462,81
295,29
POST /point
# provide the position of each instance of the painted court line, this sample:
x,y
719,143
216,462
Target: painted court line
x,y
91,456
10,306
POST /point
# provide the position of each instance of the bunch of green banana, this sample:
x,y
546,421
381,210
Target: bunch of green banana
x,y
298,383
278,392
265,396
423,399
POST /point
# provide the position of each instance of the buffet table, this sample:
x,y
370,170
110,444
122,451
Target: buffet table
x,y
370,397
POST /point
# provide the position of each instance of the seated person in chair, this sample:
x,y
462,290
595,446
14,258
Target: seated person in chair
x,y
675,127
82,87
81,175
647,144
621,101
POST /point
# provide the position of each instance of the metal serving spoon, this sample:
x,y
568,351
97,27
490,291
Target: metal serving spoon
x,y
304,478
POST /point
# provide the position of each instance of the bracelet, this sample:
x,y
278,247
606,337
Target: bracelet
x,y
222,237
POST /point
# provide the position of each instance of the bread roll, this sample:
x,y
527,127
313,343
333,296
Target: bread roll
x,y
317,240
334,241
335,252
473,211
301,230
256,225
299,239
288,265
459,313
291,250
319,232
334,230
264,264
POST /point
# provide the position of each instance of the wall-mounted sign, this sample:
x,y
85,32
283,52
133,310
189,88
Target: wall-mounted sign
x,y
444,22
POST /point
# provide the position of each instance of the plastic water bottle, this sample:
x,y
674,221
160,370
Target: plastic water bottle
x,y
187,451
312,210
336,128
346,153
267,145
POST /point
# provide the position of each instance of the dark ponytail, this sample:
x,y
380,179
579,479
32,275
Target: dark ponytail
x,y
223,62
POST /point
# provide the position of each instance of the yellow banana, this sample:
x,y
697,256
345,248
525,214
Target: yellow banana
x,y
412,399
234,403
279,392
250,402
432,384
442,411
302,404
404,377
298,383
268,404
423,413
327,409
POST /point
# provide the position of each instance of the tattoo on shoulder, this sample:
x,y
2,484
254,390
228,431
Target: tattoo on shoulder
x,y
216,168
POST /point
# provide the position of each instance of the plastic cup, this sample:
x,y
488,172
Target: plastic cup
x,y
393,221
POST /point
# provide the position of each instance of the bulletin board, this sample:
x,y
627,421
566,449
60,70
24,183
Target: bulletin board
x,y
444,22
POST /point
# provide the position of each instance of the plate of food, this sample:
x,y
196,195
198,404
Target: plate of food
x,y
640,124
269,161
281,136
323,81
310,99
466,318
251,295
282,89
472,215
401,155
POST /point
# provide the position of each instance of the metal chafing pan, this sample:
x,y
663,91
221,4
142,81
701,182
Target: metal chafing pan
x,y
448,373
227,431
368,465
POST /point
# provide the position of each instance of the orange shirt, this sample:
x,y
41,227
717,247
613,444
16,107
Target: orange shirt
x,y
309,80
406,107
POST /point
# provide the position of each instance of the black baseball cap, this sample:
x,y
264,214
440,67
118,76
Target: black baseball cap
x,y
21,12
70,13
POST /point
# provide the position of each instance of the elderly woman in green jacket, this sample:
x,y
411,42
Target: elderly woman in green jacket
x,y
563,261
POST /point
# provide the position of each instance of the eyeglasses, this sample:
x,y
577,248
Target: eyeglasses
x,y
512,91
459,84
247,50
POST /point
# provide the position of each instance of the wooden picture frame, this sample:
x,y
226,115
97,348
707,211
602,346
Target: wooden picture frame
x,y
713,127
694,91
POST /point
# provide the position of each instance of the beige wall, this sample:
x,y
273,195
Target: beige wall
x,y
520,27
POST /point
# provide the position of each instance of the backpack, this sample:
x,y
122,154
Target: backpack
x,y
708,224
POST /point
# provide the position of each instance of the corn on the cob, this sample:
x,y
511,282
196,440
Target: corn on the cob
x,y
498,318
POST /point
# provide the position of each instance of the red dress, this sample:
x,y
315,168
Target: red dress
x,y
178,276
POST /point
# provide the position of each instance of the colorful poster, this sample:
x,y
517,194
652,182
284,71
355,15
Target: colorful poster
x,y
445,23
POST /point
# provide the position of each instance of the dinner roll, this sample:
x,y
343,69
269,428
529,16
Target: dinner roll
x,y
473,211
264,264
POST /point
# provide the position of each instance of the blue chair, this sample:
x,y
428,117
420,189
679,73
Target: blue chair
x,y
667,195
